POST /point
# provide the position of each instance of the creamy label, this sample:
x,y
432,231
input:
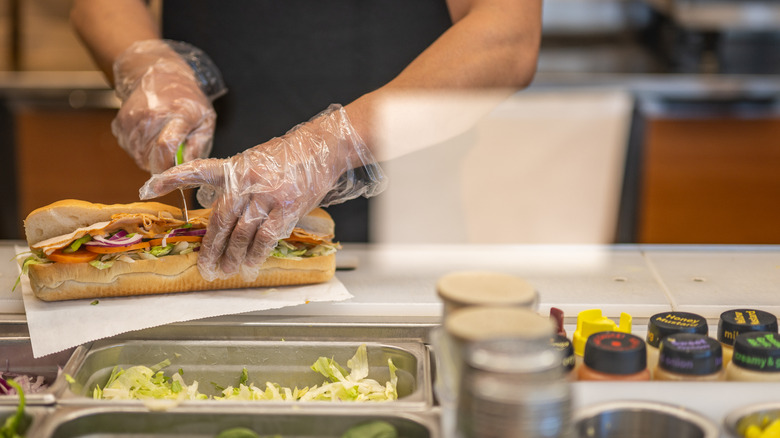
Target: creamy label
x,y
760,352
757,362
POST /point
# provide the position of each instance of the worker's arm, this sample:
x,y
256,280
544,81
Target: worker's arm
x,y
492,44
109,27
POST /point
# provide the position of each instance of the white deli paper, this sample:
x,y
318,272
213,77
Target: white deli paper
x,y
59,325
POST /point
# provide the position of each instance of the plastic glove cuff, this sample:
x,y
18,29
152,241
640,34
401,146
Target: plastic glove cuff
x,y
366,179
137,60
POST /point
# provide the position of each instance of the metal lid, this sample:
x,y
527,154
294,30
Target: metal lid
x,y
477,323
691,354
734,322
485,288
664,324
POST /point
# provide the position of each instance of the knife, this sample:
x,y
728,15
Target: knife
x,y
180,159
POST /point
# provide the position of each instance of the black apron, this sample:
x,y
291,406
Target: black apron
x,y
284,61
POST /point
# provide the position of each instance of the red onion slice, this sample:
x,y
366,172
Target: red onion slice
x,y
188,232
102,241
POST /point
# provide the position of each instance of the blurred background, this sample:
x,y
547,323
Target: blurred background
x,y
649,121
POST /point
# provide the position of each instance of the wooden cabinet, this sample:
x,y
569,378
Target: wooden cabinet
x,y
66,153
713,180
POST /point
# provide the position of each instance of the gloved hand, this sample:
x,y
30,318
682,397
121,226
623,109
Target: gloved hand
x,y
166,89
260,194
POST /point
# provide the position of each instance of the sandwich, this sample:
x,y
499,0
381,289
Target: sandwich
x,y
88,250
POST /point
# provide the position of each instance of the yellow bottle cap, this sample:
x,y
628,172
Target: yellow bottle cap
x,y
592,321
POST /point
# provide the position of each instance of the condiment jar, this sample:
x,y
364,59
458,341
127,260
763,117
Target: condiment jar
x,y
689,356
734,322
513,388
591,321
664,324
614,356
756,358
484,288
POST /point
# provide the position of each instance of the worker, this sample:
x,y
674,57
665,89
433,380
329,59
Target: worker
x,y
302,82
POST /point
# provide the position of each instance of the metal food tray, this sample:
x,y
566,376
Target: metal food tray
x,y
16,356
70,422
287,363
34,416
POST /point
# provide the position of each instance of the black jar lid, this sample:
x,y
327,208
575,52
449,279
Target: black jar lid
x,y
615,353
736,321
690,354
564,345
664,324
757,351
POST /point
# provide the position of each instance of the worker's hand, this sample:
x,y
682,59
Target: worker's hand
x,y
166,89
260,194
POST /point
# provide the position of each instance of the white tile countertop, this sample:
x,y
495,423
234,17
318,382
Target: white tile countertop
x,y
398,280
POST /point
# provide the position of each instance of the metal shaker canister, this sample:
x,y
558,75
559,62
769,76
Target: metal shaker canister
x,y
513,387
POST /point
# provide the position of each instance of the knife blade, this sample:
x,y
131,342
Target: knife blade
x,y
180,159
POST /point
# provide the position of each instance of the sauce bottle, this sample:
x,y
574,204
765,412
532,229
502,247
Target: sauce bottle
x,y
689,356
664,324
563,345
591,321
614,356
484,288
756,358
734,322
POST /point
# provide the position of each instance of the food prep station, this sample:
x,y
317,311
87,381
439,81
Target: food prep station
x,y
394,312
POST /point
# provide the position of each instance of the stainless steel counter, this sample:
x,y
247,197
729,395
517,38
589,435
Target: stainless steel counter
x,y
395,299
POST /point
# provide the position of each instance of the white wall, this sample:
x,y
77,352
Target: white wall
x,y
541,167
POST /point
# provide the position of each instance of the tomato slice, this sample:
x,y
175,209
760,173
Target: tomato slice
x,y
113,249
80,256
174,239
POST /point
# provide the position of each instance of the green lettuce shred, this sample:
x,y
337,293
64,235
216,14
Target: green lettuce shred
x,y
77,244
33,259
13,424
102,264
159,250
287,250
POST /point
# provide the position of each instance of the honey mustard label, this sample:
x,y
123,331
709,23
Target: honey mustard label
x,y
680,321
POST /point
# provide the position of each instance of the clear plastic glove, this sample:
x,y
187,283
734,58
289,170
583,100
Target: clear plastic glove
x,y
260,194
166,88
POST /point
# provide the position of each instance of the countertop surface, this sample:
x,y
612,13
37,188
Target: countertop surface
x,y
399,280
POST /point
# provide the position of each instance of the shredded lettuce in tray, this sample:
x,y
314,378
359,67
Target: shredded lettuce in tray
x,y
142,383
147,383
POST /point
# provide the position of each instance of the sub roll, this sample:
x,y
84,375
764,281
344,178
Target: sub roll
x,y
86,250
